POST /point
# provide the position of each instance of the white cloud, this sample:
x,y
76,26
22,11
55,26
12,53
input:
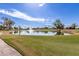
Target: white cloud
x,y
18,14
41,4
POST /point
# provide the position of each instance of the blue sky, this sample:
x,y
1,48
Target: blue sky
x,y
41,14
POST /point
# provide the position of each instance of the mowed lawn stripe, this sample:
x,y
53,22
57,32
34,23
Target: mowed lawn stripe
x,y
45,45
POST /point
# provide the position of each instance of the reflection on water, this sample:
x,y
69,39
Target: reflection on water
x,y
36,33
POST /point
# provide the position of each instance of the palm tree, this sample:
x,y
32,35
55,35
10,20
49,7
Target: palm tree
x,y
7,23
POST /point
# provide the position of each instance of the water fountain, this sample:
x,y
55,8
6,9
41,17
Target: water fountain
x,y
30,30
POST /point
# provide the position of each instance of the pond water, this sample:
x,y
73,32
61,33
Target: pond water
x,y
36,33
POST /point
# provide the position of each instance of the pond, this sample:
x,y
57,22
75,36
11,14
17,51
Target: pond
x,y
36,33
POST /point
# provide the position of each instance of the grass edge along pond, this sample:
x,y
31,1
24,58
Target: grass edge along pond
x,y
44,45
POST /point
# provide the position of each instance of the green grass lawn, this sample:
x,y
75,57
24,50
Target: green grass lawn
x,y
44,45
77,30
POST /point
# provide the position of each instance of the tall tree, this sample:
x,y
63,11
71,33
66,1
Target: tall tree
x,y
58,24
74,25
1,27
7,22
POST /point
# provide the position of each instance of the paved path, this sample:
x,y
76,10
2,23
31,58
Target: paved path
x,y
6,50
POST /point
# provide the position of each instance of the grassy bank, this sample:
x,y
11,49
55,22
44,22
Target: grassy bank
x,y
44,45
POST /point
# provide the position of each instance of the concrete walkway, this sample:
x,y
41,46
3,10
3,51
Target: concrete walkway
x,y
6,50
